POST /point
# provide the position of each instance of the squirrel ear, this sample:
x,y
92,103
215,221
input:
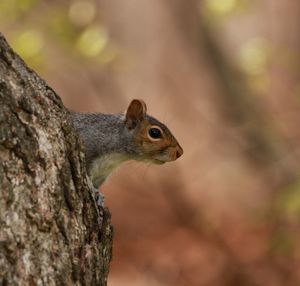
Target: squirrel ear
x,y
135,113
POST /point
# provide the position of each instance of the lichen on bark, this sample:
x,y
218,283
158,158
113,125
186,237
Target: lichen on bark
x,y
51,230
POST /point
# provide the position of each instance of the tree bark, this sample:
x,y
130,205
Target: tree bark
x,y
51,230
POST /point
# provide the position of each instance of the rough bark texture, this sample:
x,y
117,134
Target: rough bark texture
x,y
51,231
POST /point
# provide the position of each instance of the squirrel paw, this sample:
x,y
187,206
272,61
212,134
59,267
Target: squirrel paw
x,y
99,197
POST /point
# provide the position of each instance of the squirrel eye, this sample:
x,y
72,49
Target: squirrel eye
x,y
155,133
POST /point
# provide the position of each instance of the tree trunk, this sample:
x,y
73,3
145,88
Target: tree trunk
x,y
51,230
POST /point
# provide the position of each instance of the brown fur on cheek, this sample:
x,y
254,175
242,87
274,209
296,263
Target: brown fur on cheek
x,y
163,150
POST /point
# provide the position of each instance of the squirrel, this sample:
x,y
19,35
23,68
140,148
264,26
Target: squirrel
x,y
111,139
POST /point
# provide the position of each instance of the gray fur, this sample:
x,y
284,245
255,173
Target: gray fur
x,y
103,134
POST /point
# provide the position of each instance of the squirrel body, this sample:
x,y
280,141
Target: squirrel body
x,y
111,139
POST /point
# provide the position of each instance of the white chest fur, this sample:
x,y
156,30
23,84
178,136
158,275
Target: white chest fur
x,y
104,166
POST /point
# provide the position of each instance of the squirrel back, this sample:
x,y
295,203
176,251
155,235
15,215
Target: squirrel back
x,y
111,139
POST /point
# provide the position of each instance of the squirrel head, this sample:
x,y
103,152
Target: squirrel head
x,y
154,141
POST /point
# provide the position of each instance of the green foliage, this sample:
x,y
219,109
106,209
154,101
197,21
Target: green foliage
x,y
288,202
253,57
92,41
282,242
29,44
75,27
12,9
286,214
61,28
217,10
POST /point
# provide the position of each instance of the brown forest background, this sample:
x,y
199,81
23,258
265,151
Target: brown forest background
x,y
224,76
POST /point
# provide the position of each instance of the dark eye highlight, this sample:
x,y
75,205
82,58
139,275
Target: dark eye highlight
x,y
155,133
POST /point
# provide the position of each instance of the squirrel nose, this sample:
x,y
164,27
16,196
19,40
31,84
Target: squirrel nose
x,y
179,152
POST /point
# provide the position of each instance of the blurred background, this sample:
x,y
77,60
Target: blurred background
x,y
224,77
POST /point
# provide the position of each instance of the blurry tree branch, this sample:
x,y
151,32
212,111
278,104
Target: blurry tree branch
x,y
265,148
261,142
52,232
